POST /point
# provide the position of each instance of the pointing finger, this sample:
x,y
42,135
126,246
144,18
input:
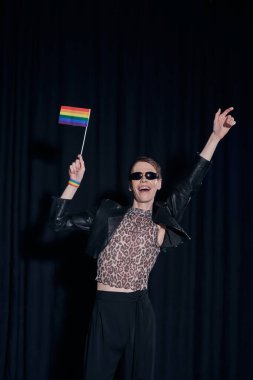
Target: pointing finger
x,y
224,113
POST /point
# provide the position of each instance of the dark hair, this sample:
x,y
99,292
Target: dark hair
x,y
150,161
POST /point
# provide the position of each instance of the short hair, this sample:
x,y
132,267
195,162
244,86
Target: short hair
x,y
150,161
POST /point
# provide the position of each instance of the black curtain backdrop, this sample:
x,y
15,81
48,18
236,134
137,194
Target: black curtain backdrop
x,y
153,73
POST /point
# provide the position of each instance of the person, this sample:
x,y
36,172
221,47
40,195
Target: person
x,y
126,242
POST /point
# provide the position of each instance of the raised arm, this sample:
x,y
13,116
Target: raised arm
x,y
221,126
178,200
76,173
59,219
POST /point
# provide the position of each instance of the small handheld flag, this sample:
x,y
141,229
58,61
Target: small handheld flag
x,y
75,116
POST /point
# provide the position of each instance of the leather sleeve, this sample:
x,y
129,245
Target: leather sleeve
x,y
181,196
60,220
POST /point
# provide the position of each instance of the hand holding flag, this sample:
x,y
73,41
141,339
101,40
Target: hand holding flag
x,y
77,169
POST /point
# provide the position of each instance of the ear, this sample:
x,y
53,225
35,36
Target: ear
x,y
159,184
130,187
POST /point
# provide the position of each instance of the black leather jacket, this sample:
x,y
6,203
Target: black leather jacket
x,y
102,222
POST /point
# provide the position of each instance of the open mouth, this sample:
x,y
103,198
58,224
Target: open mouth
x,y
144,189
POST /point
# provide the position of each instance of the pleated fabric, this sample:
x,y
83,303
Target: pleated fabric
x,y
122,329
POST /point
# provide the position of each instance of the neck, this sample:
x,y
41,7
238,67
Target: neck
x,y
143,205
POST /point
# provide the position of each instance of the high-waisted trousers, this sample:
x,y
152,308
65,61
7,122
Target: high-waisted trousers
x,y
122,329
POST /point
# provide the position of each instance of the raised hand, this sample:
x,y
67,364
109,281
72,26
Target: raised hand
x,y
221,126
77,169
223,122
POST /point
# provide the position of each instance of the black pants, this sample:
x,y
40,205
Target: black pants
x,y
122,329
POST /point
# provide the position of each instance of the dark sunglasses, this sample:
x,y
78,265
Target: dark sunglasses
x,y
139,175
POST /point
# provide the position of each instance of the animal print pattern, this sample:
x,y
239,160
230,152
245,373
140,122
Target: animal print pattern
x,y
127,260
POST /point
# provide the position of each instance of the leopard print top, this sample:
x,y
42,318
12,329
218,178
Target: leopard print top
x,y
127,260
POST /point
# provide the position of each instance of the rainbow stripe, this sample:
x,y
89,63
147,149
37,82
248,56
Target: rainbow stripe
x,y
74,116
74,183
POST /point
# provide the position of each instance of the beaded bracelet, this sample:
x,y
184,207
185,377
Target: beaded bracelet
x,y
73,182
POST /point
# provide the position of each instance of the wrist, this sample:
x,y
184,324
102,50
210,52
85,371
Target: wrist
x,y
216,138
74,182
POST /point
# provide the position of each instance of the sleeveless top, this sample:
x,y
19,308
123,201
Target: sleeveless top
x,y
128,258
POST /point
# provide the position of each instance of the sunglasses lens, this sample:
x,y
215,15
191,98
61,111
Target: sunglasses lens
x,y
151,175
135,176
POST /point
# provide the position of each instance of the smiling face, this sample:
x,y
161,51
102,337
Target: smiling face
x,y
144,190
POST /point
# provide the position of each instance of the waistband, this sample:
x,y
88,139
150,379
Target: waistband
x,y
122,296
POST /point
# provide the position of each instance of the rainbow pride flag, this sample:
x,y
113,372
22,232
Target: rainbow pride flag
x,y
74,116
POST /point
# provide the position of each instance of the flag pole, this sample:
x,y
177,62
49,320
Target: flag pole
x,y
84,137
